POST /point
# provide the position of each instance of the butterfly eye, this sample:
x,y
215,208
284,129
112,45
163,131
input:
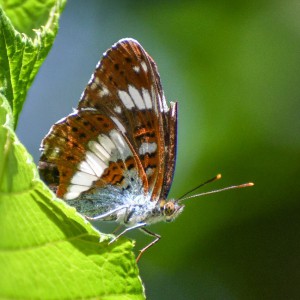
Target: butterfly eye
x,y
169,209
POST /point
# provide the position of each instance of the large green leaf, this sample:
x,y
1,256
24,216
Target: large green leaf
x,y
46,244
47,250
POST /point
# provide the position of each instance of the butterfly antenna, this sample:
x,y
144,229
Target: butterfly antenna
x,y
217,177
219,190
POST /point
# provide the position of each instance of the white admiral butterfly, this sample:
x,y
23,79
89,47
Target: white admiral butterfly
x,y
114,157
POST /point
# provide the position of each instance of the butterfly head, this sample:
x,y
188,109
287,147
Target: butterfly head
x,y
170,209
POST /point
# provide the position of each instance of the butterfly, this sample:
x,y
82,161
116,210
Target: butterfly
x,y
113,158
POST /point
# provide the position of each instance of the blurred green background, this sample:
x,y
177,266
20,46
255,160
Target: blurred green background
x,y
234,67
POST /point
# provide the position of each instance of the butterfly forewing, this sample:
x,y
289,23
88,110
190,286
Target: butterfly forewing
x,y
126,85
123,134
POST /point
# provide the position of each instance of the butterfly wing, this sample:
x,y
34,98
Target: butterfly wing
x,y
126,86
121,138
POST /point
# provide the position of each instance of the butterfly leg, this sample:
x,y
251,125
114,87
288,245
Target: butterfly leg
x,y
139,225
157,238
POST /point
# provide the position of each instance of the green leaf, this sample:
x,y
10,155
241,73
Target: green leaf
x,y
30,14
45,243
20,55
47,250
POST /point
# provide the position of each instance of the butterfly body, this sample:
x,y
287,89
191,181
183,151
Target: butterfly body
x,y
125,207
